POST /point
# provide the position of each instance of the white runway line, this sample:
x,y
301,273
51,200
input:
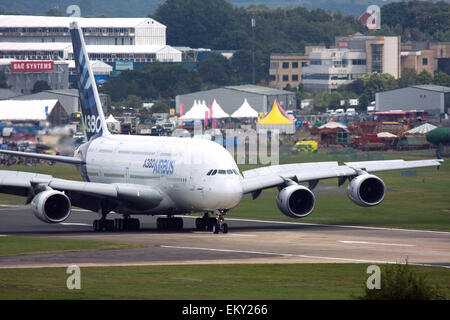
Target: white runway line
x,y
277,254
378,243
303,256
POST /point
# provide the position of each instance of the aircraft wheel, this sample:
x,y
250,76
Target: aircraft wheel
x,y
96,226
225,228
216,228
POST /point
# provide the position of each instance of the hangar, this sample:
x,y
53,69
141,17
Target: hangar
x,y
431,98
232,97
41,111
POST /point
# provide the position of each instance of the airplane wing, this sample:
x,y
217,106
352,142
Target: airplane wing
x,y
258,179
63,159
82,194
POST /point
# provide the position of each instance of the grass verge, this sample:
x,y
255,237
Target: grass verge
x,y
259,282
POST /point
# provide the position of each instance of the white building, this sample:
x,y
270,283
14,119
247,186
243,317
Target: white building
x,y
352,57
97,31
329,68
107,39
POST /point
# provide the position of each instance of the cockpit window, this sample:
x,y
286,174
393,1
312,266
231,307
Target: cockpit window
x,y
222,172
214,172
235,172
229,171
209,172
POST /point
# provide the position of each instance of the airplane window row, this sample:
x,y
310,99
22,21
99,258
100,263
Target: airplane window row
x,y
213,172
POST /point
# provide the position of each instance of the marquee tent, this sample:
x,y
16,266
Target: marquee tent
x,y
277,118
197,112
217,111
245,111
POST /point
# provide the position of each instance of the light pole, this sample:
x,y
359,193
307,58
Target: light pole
x,y
253,47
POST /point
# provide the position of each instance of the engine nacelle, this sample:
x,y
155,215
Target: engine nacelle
x,y
51,206
296,201
366,190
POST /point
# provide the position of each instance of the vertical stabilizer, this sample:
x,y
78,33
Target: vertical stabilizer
x,y
91,108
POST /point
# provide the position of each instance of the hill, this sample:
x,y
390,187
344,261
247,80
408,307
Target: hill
x,y
140,8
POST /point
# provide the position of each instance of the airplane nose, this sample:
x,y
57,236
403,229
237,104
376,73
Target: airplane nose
x,y
232,192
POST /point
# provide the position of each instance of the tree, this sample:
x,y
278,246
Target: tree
x,y
53,12
40,85
215,69
132,101
441,79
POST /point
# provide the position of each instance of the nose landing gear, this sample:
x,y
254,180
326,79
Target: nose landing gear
x,y
215,224
220,224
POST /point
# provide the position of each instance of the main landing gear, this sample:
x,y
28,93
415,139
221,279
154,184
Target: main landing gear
x,y
169,223
125,224
215,224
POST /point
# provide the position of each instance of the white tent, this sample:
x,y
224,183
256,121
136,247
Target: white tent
x,y
245,111
113,124
217,111
333,125
423,129
197,112
35,110
386,135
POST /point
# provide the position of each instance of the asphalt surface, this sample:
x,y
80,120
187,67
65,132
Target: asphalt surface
x,y
248,241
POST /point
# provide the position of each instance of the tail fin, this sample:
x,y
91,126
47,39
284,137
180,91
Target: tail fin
x,y
91,107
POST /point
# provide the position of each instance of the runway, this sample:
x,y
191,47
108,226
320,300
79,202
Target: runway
x,y
248,241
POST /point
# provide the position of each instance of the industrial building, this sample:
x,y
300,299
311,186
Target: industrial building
x,y
22,75
231,98
430,98
34,111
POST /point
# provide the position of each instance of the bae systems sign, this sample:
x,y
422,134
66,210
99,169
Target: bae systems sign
x,y
31,66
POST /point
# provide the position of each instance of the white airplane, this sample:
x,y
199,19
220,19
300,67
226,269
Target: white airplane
x,y
168,176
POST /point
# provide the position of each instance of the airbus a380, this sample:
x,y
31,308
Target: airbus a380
x,y
168,176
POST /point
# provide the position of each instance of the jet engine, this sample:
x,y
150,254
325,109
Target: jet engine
x,y
366,190
51,206
296,201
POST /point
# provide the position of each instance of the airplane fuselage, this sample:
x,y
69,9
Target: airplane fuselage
x,y
177,167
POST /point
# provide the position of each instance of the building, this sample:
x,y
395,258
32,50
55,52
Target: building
x,y
330,68
105,53
425,56
34,111
430,98
286,69
382,53
351,58
68,98
107,39
231,98
97,31
22,75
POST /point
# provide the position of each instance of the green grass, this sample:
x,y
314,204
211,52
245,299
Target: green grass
x,y
13,245
260,281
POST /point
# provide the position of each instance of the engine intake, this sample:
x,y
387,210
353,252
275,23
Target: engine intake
x,y
296,201
366,190
51,206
